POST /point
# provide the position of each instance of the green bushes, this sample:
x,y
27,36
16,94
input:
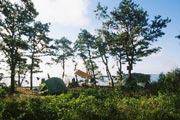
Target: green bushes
x,y
113,104
154,108
138,81
169,82
2,92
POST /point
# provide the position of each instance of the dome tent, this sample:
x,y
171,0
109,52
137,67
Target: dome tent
x,y
55,85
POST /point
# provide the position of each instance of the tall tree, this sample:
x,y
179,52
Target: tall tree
x,y
38,41
102,44
137,32
62,51
117,51
84,45
14,19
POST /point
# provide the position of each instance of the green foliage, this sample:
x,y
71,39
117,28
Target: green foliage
x,y
13,23
38,42
138,81
170,81
85,48
94,104
139,77
160,107
102,44
3,92
134,32
61,52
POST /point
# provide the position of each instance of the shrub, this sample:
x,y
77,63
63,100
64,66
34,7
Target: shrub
x,y
2,92
94,104
170,81
134,83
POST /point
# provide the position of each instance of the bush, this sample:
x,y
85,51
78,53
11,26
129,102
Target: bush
x,y
2,92
134,83
169,82
93,104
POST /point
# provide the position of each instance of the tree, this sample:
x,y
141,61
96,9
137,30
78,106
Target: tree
x,y
102,44
62,51
14,19
136,32
22,69
117,51
170,81
38,45
84,45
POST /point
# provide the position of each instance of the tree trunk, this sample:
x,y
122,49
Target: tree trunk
x,y
109,75
120,69
105,61
120,66
92,66
19,75
63,66
94,77
19,79
12,89
31,71
75,68
129,71
13,73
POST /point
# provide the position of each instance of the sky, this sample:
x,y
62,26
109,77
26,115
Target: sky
x,y
67,17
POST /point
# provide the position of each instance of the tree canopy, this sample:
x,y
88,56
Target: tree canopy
x,y
85,45
62,51
13,22
136,33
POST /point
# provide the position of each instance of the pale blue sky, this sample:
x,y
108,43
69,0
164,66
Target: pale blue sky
x,y
67,17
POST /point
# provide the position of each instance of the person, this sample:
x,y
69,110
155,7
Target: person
x,y
73,80
72,84
48,75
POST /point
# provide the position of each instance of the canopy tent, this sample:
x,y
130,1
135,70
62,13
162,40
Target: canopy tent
x,y
82,74
55,85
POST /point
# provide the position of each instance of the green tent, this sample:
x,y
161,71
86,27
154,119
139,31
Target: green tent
x,y
55,85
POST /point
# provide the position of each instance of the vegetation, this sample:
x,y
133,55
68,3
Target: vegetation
x,y
169,82
127,35
134,32
102,43
38,46
13,26
85,46
155,102
22,69
94,104
61,52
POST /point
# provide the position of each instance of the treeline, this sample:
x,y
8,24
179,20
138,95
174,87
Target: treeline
x,y
127,35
